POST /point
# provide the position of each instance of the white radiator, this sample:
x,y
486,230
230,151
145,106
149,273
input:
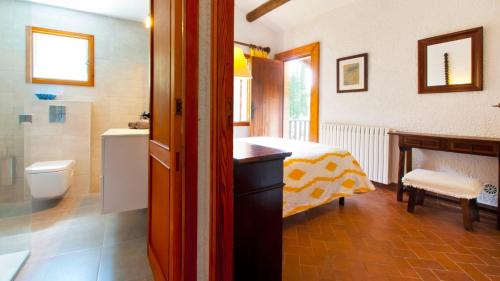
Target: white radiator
x,y
369,145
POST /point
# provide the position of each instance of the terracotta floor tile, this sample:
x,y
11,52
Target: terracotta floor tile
x,y
291,260
406,269
426,274
445,261
402,253
385,269
451,275
424,263
465,258
473,272
420,251
374,238
485,257
488,269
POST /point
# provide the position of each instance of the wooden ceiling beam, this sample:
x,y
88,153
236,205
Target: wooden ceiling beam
x,y
264,9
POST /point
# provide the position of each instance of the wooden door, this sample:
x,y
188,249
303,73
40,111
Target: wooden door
x,y
165,177
267,98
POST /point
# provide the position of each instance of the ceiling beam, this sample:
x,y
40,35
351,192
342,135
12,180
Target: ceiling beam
x,y
264,9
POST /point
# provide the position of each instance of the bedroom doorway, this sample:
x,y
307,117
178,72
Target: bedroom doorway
x,y
301,92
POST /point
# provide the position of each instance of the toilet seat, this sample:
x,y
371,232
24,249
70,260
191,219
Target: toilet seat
x,y
49,166
50,179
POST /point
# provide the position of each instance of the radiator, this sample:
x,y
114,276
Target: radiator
x,y
369,145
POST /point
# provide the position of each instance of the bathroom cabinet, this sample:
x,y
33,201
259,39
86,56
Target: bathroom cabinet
x,y
124,170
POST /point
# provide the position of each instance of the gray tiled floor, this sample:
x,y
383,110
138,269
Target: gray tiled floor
x,y
70,240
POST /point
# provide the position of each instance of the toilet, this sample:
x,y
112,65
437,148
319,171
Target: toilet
x,y
50,179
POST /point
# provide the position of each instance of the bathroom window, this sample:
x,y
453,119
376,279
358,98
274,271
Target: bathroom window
x,y
60,57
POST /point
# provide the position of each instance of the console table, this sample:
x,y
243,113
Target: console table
x,y
450,143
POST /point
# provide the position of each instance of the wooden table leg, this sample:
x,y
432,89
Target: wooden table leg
x,y
401,172
498,193
409,160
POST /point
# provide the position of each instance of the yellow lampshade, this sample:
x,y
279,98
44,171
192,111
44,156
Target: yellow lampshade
x,y
240,64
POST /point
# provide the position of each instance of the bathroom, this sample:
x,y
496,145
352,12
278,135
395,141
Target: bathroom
x,y
56,217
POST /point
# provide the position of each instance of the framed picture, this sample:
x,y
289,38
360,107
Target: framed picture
x,y
352,74
451,62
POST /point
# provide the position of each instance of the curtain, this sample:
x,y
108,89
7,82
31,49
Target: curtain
x,y
258,52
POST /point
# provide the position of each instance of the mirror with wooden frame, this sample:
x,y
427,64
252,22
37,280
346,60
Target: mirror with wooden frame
x,y
451,62
59,57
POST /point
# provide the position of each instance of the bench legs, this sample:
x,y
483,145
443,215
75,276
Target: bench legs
x,y
470,211
475,209
412,199
417,197
467,213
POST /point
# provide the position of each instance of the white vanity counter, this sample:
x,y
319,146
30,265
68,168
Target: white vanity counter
x,y
124,170
118,132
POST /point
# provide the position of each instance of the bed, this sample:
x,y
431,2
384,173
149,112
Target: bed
x,y
315,174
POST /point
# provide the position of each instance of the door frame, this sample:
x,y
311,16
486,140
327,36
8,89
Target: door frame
x,y
312,50
189,13
221,141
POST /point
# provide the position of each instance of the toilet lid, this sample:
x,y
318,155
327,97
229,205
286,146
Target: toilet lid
x,y
49,166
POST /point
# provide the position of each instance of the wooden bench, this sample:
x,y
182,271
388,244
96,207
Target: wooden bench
x,y
466,189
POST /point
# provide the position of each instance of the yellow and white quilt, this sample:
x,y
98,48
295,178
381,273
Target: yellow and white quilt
x,y
315,174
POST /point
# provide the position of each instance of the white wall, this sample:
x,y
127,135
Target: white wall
x,y
253,33
388,30
204,91
121,65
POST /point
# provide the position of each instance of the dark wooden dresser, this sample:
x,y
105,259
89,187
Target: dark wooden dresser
x,y
258,204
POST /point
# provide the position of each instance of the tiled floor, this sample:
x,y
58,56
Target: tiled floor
x,y
373,238
70,240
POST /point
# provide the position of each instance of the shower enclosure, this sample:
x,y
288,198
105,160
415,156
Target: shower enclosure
x,y
15,198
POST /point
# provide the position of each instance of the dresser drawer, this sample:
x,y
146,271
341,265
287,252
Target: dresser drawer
x,y
425,143
458,146
257,176
490,149
486,148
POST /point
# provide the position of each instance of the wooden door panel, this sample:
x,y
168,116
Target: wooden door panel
x,y
160,223
160,103
165,183
267,98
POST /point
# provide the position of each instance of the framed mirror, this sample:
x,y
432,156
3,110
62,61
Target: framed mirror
x,y
451,62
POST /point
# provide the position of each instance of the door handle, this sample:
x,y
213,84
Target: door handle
x,y
497,105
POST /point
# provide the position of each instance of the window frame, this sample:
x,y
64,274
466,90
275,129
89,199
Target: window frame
x,y
30,30
248,109
312,50
249,99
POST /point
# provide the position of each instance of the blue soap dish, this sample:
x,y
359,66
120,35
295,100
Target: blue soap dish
x,y
42,96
